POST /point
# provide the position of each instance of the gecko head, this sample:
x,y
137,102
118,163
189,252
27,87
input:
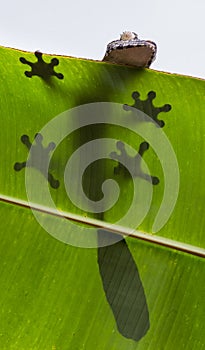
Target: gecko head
x,y
126,36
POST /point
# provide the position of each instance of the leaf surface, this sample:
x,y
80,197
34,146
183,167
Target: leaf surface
x,y
58,295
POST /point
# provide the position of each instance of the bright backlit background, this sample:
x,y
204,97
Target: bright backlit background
x,y
83,28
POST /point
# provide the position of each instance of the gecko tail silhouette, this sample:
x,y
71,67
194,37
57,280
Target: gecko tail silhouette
x,y
123,287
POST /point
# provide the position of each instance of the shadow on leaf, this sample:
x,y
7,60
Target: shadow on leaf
x,y
123,287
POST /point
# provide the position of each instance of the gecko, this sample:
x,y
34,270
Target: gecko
x,y
130,50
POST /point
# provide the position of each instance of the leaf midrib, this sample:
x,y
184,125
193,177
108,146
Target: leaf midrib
x,y
117,229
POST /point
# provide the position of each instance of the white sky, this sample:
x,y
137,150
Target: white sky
x,y
83,28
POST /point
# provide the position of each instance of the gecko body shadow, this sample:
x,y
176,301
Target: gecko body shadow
x,y
123,288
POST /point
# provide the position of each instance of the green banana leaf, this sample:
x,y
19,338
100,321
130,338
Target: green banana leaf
x,y
82,274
